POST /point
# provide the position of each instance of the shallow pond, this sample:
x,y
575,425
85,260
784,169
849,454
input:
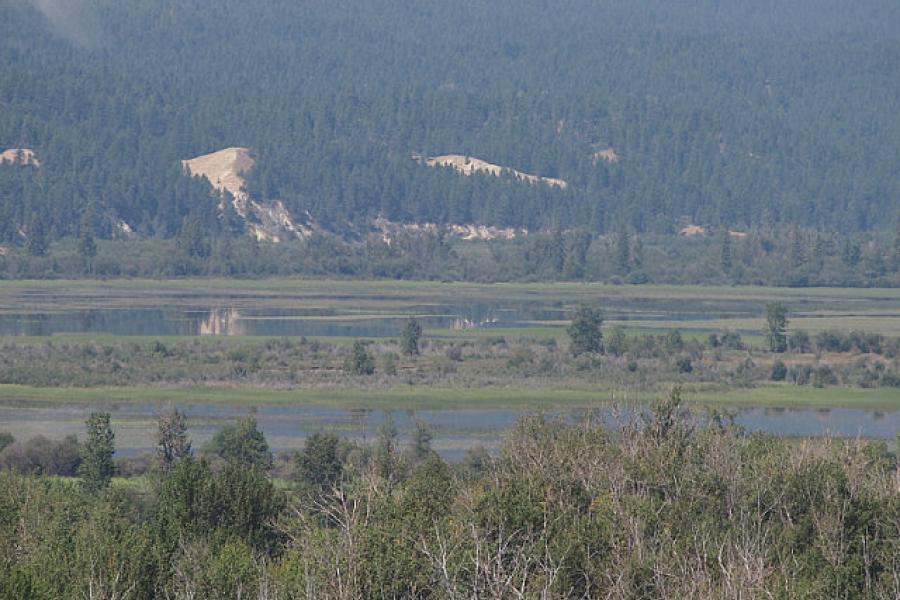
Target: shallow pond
x,y
322,308
239,317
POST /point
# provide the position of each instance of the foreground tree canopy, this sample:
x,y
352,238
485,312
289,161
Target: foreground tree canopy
x,y
660,506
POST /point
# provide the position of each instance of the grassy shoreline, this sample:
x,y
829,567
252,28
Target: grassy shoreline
x,y
769,395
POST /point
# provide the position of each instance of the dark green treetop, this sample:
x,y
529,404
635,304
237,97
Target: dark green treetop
x,y
412,334
97,466
776,327
242,443
584,331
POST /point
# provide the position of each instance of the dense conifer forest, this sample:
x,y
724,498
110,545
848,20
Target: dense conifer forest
x,y
723,113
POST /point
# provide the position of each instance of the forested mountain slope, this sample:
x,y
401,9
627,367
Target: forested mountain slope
x,y
722,112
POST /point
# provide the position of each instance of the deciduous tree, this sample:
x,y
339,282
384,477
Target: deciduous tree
x,y
172,440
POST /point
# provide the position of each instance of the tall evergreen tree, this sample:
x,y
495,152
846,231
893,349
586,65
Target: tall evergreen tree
x,y
579,242
97,468
38,237
361,361
851,253
797,254
243,444
318,464
420,441
584,331
637,252
385,449
192,238
776,327
623,252
410,337
726,253
87,250
556,253
895,258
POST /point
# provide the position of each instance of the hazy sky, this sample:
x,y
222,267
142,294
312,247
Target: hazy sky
x,y
74,20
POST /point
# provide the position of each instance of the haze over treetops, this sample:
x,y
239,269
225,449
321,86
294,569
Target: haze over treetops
x,y
736,113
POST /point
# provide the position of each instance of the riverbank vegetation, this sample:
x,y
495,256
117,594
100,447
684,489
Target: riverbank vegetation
x,y
636,362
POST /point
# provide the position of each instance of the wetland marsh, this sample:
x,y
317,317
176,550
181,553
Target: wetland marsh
x,y
337,308
218,348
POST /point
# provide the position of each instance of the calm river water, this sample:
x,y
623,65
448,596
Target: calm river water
x,y
455,431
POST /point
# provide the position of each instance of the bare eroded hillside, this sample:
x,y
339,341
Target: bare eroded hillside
x,y
22,156
267,221
468,165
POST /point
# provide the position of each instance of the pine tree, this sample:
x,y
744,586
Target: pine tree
x,y
797,258
410,337
191,238
243,444
420,441
361,361
637,253
726,253
623,252
851,253
576,254
385,449
97,468
819,249
556,254
776,327
318,464
87,250
584,331
895,258
38,242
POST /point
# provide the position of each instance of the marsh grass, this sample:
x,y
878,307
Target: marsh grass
x,y
413,398
491,366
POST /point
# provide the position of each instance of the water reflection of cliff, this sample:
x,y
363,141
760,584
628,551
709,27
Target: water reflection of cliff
x,y
463,323
223,321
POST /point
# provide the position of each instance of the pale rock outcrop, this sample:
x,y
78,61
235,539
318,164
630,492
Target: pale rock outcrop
x,y
468,165
266,221
609,155
388,230
692,230
22,156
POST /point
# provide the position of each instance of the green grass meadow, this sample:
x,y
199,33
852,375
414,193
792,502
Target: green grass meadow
x,y
423,398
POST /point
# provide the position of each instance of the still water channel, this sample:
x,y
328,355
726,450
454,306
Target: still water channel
x,y
355,316
455,431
